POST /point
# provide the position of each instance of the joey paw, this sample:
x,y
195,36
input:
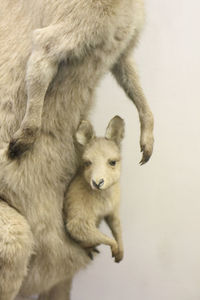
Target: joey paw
x,y
91,252
119,256
117,253
114,249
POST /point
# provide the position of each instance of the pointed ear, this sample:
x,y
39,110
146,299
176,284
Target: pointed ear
x,y
115,130
84,133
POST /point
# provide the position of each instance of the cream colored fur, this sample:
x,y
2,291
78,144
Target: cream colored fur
x,y
54,53
94,193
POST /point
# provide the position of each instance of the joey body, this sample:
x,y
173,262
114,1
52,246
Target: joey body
x,y
86,203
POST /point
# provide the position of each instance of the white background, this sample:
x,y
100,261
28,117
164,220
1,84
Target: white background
x,y
160,209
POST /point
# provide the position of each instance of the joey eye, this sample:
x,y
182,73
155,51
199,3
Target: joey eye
x,y
112,163
87,163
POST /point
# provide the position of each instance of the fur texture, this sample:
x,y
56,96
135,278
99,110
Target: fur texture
x,y
94,193
54,53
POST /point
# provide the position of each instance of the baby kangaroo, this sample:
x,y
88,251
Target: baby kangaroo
x,y
94,193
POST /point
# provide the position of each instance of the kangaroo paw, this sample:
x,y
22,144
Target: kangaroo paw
x,y
91,252
146,148
21,142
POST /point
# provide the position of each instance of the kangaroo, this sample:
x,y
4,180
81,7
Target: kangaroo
x,y
94,193
53,54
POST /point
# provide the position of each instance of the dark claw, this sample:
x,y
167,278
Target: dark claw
x,y
144,160
145,157
117,260
96,250
90,255
16,149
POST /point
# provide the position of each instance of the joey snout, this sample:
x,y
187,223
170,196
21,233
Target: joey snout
x,y
97,184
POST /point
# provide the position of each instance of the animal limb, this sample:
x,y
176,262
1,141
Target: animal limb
x,y
51,45
88,236
126,75
114,223
16,247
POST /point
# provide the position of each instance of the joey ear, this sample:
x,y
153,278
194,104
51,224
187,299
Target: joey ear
x,y
115,130
84,133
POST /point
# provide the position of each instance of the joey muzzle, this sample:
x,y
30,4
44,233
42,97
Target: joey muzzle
x,y
99,184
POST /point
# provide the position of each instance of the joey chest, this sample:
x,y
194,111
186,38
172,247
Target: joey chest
x,y
102,206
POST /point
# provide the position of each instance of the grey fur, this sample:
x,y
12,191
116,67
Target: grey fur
x,y
54,54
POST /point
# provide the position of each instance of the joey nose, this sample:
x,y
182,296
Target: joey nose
x,y
98,184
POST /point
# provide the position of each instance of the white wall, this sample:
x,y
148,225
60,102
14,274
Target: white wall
x,y
160,201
